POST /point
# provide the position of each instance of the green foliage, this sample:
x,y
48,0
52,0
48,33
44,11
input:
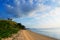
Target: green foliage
x,y
19,26
7,28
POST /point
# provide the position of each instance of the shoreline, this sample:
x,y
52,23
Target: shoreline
x,y
44,35
28,35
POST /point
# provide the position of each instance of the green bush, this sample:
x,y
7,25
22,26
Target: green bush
x,y
7,28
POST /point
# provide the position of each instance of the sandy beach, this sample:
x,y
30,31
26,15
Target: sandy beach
x,y
28,35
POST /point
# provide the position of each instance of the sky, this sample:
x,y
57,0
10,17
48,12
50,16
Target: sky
x,y
32,13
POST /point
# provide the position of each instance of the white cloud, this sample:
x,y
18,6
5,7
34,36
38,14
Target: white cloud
x,y
44,17
40,12
17,2
31,1
43,8
56,1
55,12
52,13
53,18
9,6
48,20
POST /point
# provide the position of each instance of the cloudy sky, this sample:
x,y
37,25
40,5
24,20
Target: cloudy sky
x,y
32,13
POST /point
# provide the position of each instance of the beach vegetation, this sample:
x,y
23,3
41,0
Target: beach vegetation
x,y
8,27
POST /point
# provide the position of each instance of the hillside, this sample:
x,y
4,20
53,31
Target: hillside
x,y
8,27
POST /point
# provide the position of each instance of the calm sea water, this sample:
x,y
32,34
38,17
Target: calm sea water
x,y
51,32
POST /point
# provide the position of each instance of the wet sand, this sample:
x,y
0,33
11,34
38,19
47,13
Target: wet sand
x,y
28,35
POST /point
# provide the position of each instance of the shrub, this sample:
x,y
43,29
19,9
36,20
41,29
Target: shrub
x,y
7,28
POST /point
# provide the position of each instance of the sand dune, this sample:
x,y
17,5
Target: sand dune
x,y
28,35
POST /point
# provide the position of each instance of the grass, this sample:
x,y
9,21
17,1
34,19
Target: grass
x,y
7,28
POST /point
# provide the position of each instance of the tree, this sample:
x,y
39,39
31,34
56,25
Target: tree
x,y
20,26
9,19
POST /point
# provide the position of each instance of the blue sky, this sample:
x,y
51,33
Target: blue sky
x,y
32,13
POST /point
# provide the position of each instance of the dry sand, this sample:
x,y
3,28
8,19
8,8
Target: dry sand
x,y
28,35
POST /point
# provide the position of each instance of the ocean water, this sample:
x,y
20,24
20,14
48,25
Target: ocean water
x,y
51,32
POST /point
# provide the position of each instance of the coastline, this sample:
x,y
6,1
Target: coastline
x,y
28,35
42,36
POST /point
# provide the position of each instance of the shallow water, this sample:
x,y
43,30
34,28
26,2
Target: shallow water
x,y
51,32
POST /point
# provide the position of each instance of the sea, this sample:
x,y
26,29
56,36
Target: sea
x,y
51,32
